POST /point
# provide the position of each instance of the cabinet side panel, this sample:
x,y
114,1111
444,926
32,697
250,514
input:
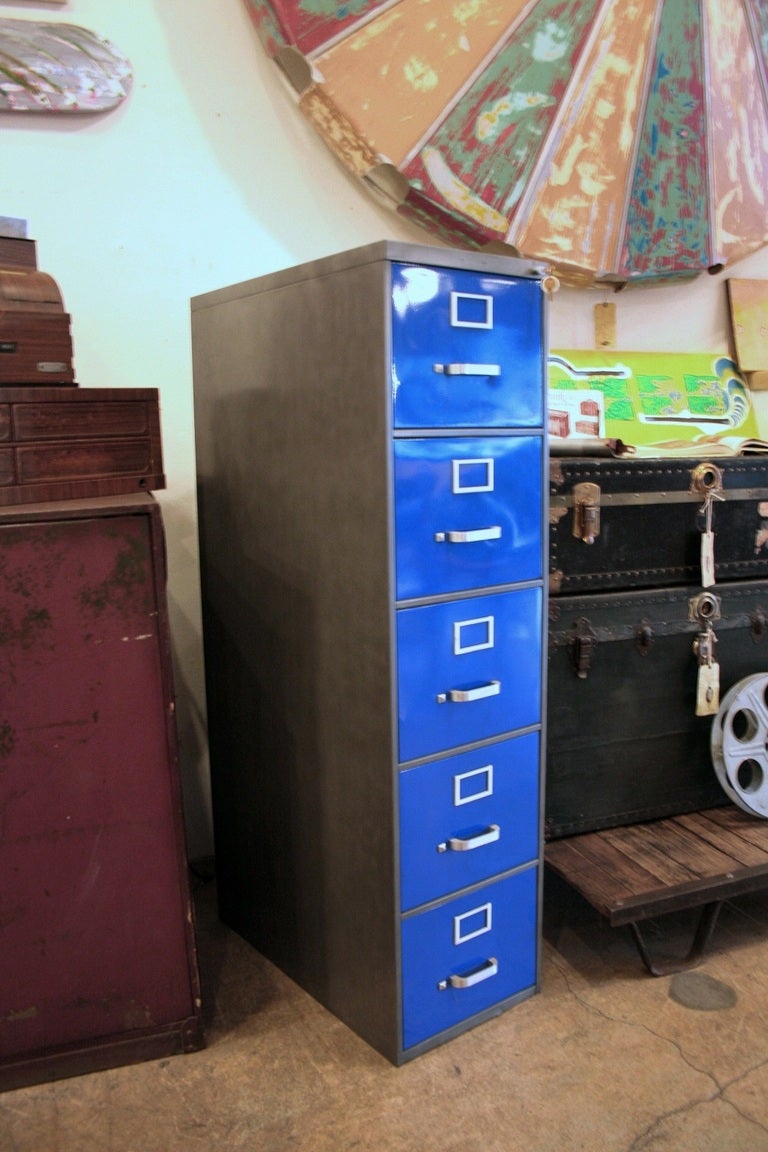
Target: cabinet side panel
x,y
293,490
97,940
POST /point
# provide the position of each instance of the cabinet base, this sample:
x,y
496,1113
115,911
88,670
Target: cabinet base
x,y
79,1059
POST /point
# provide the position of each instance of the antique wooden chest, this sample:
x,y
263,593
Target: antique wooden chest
x,y
624,741
657,567
627,523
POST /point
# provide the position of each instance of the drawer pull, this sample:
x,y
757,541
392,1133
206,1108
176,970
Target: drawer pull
x,y
487,969
468,369
467,695
469,537
466,844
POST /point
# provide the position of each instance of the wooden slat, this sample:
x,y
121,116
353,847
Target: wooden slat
x,y
596,885
635,872
752,829
730,841
625,875
690,851
640,843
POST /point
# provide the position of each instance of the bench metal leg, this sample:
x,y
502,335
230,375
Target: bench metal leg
x,y
702,936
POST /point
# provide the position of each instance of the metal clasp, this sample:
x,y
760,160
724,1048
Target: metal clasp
x,y
707,479
704,608
644,637
581,646
586,512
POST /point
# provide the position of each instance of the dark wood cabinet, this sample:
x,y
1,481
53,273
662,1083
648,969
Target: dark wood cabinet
x,y
97,955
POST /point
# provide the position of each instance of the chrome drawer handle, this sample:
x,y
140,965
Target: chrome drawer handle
x,y
492,533
466,696
487,969
468,369
462,844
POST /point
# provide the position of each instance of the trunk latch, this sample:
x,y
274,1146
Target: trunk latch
x,y
586,512
581,646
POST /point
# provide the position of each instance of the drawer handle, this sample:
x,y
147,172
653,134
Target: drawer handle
x,y
467,695
466,844
487,969
468,369
492,533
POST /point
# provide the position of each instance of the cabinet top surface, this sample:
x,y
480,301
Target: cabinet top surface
x,y
380,251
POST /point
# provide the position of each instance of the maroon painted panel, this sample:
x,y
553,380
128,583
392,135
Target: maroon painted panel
x,y
95,920
307,26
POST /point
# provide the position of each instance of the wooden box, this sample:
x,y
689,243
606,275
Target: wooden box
x,y
35,335
67,443
35,348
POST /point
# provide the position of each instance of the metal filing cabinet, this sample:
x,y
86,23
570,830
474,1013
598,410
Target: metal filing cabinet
x,y
371,454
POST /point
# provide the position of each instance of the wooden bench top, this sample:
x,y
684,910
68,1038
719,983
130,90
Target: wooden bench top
x,y
645,870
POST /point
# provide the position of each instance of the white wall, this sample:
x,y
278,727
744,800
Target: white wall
x,y
208,175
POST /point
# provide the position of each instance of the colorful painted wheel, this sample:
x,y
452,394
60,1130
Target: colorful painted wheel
x,y
620,141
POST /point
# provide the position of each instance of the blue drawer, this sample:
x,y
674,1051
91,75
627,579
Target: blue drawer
x,y
466,349
468,818
464,956
467,670
467,513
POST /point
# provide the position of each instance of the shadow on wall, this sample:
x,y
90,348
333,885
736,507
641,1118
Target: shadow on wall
x,y
191,722
288,179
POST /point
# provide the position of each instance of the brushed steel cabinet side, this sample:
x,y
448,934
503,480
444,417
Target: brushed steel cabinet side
x,y
292,440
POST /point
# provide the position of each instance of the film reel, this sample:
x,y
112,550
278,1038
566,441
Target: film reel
x,y
739,744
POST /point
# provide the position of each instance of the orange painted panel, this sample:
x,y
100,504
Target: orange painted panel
x,y
398,74
575,210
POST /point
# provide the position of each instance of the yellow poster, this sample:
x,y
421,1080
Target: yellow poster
x,y
661,403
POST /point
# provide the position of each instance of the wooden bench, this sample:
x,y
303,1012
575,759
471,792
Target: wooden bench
x,y
643,871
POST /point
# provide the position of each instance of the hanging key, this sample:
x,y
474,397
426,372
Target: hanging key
x,y
708,479
708,680
708,542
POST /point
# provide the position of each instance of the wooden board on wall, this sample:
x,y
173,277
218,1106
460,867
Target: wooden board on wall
x,y
748,303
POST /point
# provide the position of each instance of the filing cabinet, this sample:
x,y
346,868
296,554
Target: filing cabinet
x,y
371,454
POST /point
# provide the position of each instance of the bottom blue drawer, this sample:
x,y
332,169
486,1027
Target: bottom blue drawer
x,y
466,955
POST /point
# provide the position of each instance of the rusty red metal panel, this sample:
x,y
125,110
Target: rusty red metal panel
x,y
95,917
307,26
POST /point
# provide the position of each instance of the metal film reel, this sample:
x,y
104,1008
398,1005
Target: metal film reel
x,y
739,744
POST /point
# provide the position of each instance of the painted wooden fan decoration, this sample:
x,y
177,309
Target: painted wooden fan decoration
x,y
619,140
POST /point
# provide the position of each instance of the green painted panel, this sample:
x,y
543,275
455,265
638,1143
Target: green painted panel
x,y
667,222
490,140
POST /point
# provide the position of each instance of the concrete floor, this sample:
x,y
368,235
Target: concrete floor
x,y
605,1059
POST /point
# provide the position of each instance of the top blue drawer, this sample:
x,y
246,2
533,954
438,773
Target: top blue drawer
x,y
467,349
